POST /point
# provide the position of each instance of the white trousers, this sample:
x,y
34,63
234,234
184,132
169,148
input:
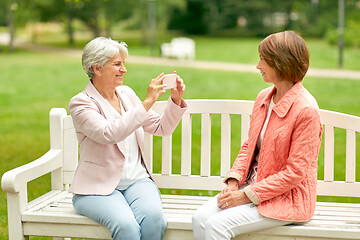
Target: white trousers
x,y
210,222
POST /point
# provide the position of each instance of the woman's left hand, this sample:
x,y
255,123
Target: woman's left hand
x,y
177,93
232,199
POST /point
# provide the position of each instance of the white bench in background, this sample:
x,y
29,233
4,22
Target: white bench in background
x,y
53,215
181,48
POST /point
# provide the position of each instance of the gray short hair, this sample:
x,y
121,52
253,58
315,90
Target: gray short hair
x,y
98,51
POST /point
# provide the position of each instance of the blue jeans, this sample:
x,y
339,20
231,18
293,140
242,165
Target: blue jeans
x,y
133,213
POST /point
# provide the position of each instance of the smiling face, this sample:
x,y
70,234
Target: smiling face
x,y
113,71
268,73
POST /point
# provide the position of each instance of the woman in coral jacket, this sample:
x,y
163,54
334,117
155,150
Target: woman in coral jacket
x,y
273,179
112,184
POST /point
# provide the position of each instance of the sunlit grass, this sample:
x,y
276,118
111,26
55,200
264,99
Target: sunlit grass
x,y
239,50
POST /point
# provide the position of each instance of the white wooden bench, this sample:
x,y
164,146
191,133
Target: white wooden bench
x,y
181,48
53,215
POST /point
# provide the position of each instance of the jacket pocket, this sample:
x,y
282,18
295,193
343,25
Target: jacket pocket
x,y
94,163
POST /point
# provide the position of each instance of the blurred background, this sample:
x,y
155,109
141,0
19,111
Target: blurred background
x,y
151,22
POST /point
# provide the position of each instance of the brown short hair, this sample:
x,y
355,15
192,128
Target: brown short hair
x,y
287,53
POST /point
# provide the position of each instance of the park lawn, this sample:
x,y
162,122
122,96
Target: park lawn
x,y
239,50
322,54
33,83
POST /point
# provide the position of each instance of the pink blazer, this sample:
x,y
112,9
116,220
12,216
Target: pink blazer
x,y
100,134
287,169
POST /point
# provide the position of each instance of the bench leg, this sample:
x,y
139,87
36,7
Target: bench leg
x,y
15,203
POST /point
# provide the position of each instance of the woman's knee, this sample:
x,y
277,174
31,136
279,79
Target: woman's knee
x,y
153,224
154,216
202,214
198,219
215,229
124,228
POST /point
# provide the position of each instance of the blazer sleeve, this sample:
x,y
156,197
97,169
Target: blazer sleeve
x,y
89,119
156,124
165,124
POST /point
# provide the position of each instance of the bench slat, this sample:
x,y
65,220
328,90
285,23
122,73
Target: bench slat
x,y
70,152
329,153
213,183
205,144
350,155
245,126
225,144
166,156
218,106
340,120
337,188
311,232
338,204
44,199
329,217
186,145
148,151
88,230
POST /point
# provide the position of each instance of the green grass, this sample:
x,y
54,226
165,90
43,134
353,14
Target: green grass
x,y
33,83
240,50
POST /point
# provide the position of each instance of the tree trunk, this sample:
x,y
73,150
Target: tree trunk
x,y
108,25
11,25
70,29
94,25
144,23
70,18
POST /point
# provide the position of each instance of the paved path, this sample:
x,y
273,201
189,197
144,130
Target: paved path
x,y
211,65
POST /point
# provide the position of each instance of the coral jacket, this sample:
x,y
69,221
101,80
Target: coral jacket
x,y
287,169
100,133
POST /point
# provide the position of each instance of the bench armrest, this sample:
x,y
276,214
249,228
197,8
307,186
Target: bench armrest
x,y
13,180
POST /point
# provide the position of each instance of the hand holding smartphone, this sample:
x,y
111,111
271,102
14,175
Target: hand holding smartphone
x,y
170,81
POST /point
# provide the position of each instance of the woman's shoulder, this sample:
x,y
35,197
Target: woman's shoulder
x,y
80,101
307,100
264,93
80,97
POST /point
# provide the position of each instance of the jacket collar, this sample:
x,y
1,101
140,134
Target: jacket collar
x,y
283,106
106,108
92,92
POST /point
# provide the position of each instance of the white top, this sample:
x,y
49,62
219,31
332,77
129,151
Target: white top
x,y
133,170
261,137
252,178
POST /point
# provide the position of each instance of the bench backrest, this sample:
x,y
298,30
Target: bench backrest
x,y
202,149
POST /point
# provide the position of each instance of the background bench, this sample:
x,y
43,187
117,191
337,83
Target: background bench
x,y
183,161
181,48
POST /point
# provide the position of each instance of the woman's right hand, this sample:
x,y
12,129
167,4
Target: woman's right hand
x,y
155,89
231,185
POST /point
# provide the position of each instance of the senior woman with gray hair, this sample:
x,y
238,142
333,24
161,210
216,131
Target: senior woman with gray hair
x,y
112,184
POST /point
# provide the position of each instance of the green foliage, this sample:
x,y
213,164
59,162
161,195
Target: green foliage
x,y
351,35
